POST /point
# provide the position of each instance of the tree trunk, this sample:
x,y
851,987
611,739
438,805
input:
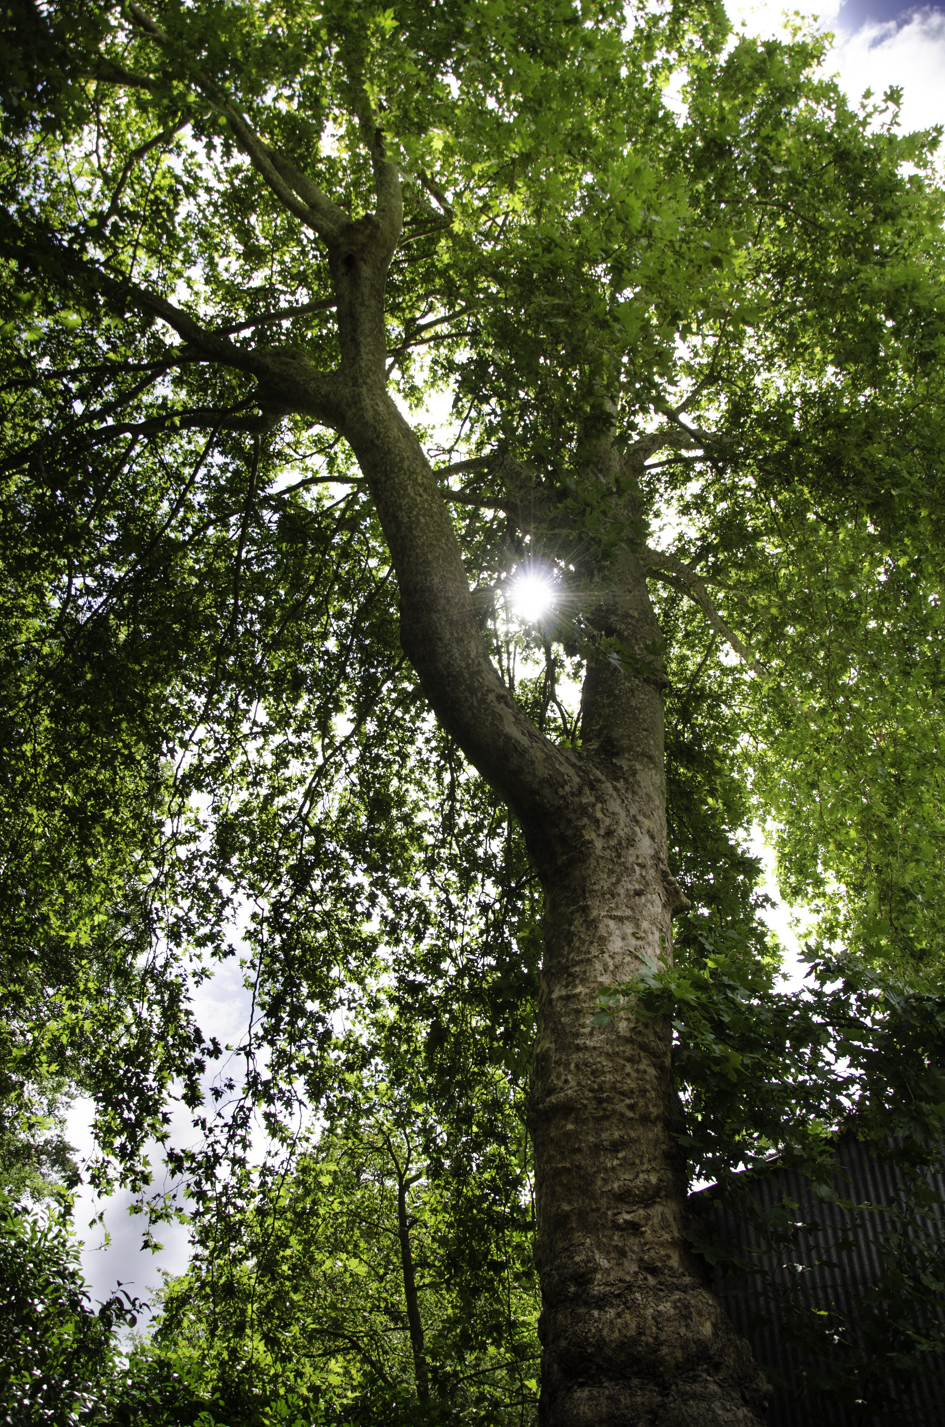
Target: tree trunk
x,y
629,1332
411,1296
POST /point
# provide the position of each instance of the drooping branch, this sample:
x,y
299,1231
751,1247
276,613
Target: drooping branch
x,y
200,419
35,247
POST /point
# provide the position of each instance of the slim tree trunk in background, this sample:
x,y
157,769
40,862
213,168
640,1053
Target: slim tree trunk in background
x,y
409,1276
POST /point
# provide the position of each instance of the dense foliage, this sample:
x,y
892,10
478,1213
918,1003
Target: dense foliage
x,y
213,745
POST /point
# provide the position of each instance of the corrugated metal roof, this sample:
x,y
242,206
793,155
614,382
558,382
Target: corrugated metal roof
x,y
820,1262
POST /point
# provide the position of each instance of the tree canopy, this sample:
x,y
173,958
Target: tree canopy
x,y
267,696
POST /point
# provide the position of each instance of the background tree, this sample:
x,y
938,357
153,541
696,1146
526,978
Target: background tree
x,y
230,234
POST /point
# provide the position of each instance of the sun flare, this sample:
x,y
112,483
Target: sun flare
x,y
531,595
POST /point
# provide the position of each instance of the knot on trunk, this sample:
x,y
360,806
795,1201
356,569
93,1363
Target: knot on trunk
x,y
678,901
360,241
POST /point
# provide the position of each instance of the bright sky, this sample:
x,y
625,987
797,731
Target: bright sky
x,y
878,43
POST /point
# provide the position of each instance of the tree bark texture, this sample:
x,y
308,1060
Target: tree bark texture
x,y
630,1333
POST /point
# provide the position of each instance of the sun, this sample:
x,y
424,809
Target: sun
x,y
531,594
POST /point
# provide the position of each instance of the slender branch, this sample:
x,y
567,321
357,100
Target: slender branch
x,y
196,420
436,194
411,1294
413,334
272,496
684,701
139,153
707,380
440,226
682,577
696,437
685,439
673,461
358,1347
327,304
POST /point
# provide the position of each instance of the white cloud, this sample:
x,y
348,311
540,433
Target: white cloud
x,y
908,52
910,55
221,1008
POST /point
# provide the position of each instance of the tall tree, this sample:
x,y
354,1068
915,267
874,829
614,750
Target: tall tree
x,y
238,238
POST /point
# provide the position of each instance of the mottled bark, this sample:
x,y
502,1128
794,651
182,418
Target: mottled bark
x,y
630,1333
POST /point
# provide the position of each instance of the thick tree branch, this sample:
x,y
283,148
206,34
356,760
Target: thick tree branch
x,y
707,380
287,380
439,627
285,180
308,191
196,420
109,71
201,419
387,185
323,217
477,463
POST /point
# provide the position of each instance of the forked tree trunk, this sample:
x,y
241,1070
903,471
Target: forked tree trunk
x,y
630,1334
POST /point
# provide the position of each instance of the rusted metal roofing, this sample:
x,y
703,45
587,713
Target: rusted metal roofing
x,y
824,1261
